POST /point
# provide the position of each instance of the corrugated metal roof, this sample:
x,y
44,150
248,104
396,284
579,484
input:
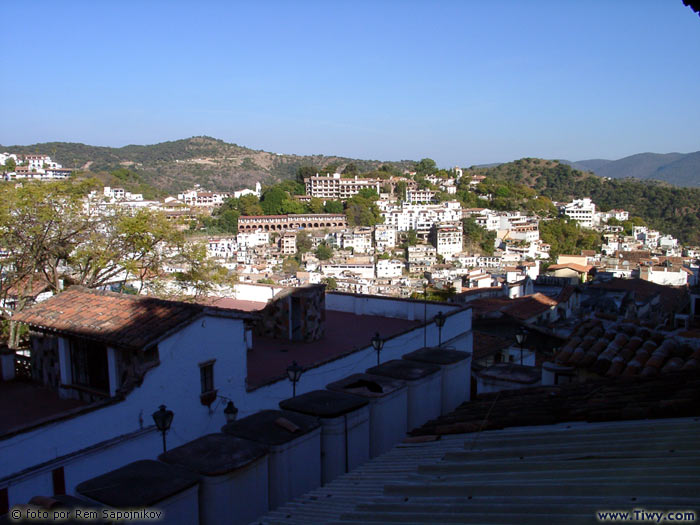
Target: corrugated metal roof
x,y
560,473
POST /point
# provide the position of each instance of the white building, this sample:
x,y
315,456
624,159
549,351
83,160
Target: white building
x,y
338,188
620,215
421,217
288,243
203,198
358,239
4,157
365,271
581,210
388,269
252,239
420,196
384,237
39,163
240,193
447,239
224,247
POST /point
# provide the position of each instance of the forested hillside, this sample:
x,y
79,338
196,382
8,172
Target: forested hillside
x,y
177,165
668,209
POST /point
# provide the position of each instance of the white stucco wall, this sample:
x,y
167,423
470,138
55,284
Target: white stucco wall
x,y
175,382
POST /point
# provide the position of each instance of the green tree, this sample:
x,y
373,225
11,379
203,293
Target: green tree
x,y
292,187
362,210
290,266
303,242
292,206
333,207
250,205
272,199
10,164
324,252
316,206
304,172
426,167
477,238
351,169
331,283
411,238
201,275
47,234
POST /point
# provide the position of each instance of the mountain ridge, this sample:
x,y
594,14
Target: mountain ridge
x,y
177,165
219,165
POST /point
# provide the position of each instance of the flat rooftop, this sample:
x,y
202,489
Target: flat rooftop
x,y
345,333
23,404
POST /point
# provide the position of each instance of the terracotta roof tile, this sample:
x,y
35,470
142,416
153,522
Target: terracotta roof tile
x,y
125,321
626,350
486,345
572,266
675,394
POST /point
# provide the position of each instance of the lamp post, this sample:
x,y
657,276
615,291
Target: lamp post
x,y
378,344
440,322
425,313
230,412
294,372
520,337
163,419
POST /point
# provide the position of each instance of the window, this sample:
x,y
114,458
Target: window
x,y
206,376
4,501
59,481
89,364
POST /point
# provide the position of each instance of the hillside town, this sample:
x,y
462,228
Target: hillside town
x,y
400,329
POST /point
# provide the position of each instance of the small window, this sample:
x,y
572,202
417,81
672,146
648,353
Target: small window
x,y
206,376
59,481
4,501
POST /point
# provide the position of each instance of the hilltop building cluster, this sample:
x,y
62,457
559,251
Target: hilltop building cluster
x,y
32,167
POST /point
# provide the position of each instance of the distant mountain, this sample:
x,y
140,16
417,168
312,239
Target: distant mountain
x,y
587,165
177,165
679,169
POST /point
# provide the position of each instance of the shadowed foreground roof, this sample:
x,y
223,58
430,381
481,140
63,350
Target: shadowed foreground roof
x,y
122,320
545,455
669,395
523,476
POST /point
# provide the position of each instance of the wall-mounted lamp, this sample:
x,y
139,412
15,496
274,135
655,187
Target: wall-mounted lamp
x,y
294,372
163,419
520,337
377,344
440,322
231,412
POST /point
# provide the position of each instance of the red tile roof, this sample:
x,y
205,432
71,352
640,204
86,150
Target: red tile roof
x,y
125,321
572,266
626,350
672,297
529,306
668,396
486,345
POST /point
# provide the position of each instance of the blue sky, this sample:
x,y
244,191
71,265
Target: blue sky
x,y
463,82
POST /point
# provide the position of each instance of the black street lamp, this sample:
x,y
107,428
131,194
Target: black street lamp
x,y
294,372
231,412
425,313
378,344
163,419
520,337
440,322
